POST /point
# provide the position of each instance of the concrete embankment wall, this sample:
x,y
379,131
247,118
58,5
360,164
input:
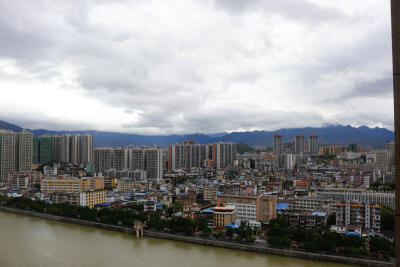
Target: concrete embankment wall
x,y
215,243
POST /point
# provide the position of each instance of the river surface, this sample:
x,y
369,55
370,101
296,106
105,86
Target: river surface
x,y
30,241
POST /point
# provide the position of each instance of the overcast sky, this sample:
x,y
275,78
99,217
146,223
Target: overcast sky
x,y
161,67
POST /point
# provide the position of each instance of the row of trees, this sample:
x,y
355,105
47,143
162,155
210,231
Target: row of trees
x,y
178,224
279,234
124,217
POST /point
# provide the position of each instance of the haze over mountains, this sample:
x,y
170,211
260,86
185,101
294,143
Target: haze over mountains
x,y
335,134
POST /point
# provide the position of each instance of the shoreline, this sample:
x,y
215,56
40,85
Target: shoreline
x,y
208,242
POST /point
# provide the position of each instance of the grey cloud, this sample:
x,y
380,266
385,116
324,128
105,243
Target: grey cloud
x,y
225,119
303,10
171,78
380,88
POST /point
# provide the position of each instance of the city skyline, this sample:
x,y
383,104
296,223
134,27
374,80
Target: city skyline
x,y
152,68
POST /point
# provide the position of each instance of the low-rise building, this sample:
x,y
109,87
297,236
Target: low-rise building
x,y
365,215
92,198
62,197
252,208
312,204
71,184
305,219
23,179
223,216
126,184
210,193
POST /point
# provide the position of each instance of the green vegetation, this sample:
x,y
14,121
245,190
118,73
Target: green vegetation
x,y
387,218
109,216
331,219
280,235
287,184
381,245
378,186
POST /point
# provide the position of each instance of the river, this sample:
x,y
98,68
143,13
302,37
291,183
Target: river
x,y
34,242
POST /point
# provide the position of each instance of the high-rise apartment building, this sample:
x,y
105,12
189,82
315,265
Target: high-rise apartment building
x,y
189,155
223,154
299,144
278,145
153,164
65,155
313,144
7,153
76,149
15,152
85,149
24,147
45,149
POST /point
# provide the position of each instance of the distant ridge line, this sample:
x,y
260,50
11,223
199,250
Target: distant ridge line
x,y
332,134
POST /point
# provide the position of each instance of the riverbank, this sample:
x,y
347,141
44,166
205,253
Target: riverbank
x,y
208,242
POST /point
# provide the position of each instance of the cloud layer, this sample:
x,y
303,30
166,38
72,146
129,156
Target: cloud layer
x,y
195,66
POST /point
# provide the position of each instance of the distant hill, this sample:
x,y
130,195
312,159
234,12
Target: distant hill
x,y
336,134
8,126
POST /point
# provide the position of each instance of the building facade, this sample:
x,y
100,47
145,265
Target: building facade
x,y
191,155
278,144
299,144
92,198
223,216
71,184
252,208
148,159
357,214
16,149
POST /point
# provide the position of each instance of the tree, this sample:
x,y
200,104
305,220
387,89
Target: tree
x,y
279,241
177,206
380,245
387,218
229,233
331,219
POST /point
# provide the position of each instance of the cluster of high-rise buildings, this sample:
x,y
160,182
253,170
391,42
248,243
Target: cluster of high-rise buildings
x,y
301,147
76,149
146,158
189,155
19,151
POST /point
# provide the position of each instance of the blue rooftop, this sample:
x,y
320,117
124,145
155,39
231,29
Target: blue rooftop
x,y
208,210
232,226
140,194
353,234
282,205
103,204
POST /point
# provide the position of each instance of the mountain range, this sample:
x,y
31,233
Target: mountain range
x,y
332,134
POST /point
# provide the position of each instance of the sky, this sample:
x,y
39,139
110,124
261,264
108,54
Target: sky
x,y
182,66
